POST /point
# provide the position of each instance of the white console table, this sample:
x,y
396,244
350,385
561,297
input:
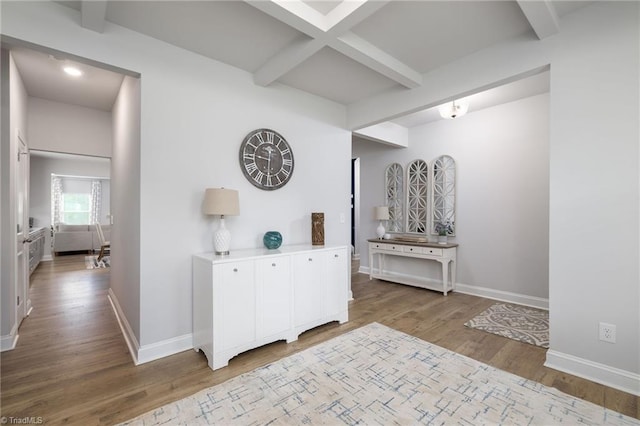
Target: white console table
x,y
443,253
257,296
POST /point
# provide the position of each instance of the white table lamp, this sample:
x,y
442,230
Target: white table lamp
x,y
221,201
381,213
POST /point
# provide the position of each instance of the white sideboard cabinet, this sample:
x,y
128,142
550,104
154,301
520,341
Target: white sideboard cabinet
x,y
257,296
321,288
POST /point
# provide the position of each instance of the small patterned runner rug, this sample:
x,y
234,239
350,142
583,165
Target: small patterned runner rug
x,y
516,322
375,375
91,262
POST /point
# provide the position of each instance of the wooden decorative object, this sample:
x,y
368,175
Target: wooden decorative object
x,y
317,229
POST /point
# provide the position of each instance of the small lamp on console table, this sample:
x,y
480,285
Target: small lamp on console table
x,y
381,213
221,201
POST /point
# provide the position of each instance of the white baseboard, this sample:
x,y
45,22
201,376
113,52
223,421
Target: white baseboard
x,y
46,258
503,296
623,380
126,329
147,353
488,293
9,342
165,348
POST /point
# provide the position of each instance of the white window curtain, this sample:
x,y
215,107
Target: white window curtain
x,y
56,199
96,197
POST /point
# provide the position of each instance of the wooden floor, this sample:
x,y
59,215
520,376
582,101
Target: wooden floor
x,y
72,366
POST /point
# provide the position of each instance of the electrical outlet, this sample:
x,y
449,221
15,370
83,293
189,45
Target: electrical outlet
x,y
607,332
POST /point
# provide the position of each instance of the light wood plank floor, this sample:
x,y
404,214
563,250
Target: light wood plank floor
x,y
72,366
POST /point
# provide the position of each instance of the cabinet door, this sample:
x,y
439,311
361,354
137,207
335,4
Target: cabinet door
x,y
337,282
274,296
234,301
307,287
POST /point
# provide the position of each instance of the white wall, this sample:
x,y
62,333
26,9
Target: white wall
x,y
192,143
41,168
194,114
594,175
60,127
502,193
18,104
125,232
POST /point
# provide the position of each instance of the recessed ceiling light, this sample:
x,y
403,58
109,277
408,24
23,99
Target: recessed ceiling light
x,y
72,71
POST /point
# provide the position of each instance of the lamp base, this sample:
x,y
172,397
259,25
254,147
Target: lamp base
x,y
380,231
221,239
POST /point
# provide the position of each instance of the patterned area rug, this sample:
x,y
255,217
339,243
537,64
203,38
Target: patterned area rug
x,y
91,262
516,322
378,376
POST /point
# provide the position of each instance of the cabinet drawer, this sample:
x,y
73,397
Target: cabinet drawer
x,y
432,251
389,247
412,249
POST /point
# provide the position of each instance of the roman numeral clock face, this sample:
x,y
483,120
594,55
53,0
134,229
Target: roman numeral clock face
x,y
266,159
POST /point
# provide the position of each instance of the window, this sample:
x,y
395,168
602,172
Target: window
x,y
76,208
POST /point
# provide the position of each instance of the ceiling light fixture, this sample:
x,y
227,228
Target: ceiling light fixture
x,y
453,110
72,71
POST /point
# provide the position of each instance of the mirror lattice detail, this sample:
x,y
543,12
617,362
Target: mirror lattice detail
x,y
444,195
417,197
394,184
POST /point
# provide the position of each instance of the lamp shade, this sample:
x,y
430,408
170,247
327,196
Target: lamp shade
x,y
221,201
381,213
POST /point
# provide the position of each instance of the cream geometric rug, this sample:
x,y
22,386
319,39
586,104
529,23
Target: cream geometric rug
x,y
516,322
379,376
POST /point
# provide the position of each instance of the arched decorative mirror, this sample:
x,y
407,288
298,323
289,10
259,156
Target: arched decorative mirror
x,y
443,196
417,181
394,188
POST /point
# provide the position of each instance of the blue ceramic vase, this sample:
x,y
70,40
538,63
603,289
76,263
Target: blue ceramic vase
x,y
272,239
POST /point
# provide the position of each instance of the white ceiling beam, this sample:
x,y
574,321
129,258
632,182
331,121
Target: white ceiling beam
x,y
367,54
348,14
330,30
295,14
94,14
285,60
388,133
542,17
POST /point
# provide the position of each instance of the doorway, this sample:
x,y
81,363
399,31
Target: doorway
x,y
64,125
355,207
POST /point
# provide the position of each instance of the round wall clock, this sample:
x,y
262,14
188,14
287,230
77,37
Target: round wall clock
x,y
266,159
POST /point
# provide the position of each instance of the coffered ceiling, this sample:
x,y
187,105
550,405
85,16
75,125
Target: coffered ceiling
x,y
345,51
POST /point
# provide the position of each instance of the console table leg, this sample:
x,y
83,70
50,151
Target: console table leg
x,y
453,274
445,276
